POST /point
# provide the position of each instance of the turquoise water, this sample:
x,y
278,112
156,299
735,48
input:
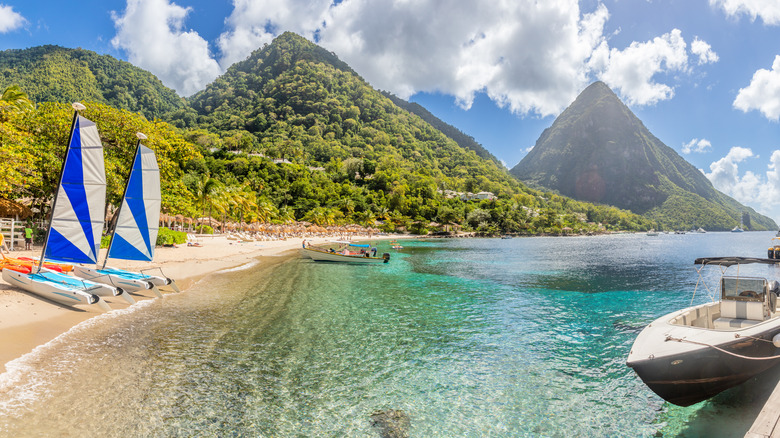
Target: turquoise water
x,y
470,338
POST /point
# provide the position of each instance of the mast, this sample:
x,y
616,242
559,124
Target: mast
x,y
140,136
76,107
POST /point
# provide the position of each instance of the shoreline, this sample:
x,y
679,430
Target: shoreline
x,y
27,321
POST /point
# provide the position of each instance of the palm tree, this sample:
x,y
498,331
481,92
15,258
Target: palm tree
x,y
14,100
206,190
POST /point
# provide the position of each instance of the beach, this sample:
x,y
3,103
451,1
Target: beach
x,y
27,321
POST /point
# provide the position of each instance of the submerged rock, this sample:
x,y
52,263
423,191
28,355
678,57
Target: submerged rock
x,y
391,423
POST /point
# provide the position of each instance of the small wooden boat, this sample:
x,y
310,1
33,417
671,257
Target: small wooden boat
x,y
345,253
692,354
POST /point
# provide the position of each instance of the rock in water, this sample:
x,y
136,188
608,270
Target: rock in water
x,y
391,423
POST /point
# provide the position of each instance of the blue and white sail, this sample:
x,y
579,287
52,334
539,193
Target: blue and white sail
x,y
137,225
78,210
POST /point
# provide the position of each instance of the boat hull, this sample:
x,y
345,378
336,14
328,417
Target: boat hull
x,y
701,375
56,287
324,256
690,371
113,278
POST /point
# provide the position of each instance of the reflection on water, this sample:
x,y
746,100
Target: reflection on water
x,y
482,337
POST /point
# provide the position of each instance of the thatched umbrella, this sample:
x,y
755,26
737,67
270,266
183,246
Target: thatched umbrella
x,y
13,209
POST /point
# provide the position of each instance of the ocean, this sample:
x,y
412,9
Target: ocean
x,y
467,337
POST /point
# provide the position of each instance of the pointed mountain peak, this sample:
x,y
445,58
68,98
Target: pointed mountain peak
x,y
285,51
597,150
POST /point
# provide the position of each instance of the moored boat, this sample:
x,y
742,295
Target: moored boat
x,y
346,253
692,354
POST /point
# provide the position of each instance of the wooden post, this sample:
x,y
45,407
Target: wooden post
x,y
13,236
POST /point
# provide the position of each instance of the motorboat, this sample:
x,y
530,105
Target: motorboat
x,y
737,229
652,233
346,252
692,354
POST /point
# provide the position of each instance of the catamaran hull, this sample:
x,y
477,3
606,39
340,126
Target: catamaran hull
x,y
323,256
52,290
684,373
100,276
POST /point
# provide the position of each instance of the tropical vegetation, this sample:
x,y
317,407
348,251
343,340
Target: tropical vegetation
x,y
292,134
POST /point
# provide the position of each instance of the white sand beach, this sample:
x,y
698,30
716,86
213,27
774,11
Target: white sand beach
x,y
27,321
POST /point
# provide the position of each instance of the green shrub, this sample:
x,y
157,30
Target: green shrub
x,y
166,236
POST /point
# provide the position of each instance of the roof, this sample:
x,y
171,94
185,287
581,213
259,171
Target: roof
x,y
730,261
10,208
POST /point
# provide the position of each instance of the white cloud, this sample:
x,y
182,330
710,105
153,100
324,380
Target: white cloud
x,y
696,145
530,56
256,22
703,51
725,176
763,191
767,10
763,93
631,70
10,19
151,32
527,55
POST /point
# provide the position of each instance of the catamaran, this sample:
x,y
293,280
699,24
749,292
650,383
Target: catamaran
x,y
347,252
695,353
135,232
76,223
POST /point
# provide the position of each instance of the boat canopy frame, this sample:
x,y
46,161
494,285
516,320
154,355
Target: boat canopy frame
x,y
731,261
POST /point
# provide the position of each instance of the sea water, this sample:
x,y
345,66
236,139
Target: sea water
x,y
467,337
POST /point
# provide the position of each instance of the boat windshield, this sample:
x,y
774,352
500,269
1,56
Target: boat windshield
x,y
743,288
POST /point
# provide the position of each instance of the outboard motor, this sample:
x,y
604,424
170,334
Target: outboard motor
x,y
770,253
774,287
386,256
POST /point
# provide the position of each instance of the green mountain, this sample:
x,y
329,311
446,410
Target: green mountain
x,y
598,151
300,102
464,140
296,101
57,74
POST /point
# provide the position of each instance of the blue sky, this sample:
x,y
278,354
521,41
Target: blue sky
x,y
703,75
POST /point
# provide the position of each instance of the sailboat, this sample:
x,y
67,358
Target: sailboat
x,y
76,223
135,232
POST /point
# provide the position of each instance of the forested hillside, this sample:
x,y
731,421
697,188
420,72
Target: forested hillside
x,y
57,74
293,100
292,133
462,139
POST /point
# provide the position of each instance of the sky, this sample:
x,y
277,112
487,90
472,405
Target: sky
x,y
702,75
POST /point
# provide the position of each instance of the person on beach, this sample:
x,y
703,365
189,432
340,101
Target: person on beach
x,y
2,244
28,233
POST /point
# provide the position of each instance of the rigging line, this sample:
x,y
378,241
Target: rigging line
x,y
669,338
737,336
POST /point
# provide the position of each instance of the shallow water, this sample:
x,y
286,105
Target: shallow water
x,y
471,338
